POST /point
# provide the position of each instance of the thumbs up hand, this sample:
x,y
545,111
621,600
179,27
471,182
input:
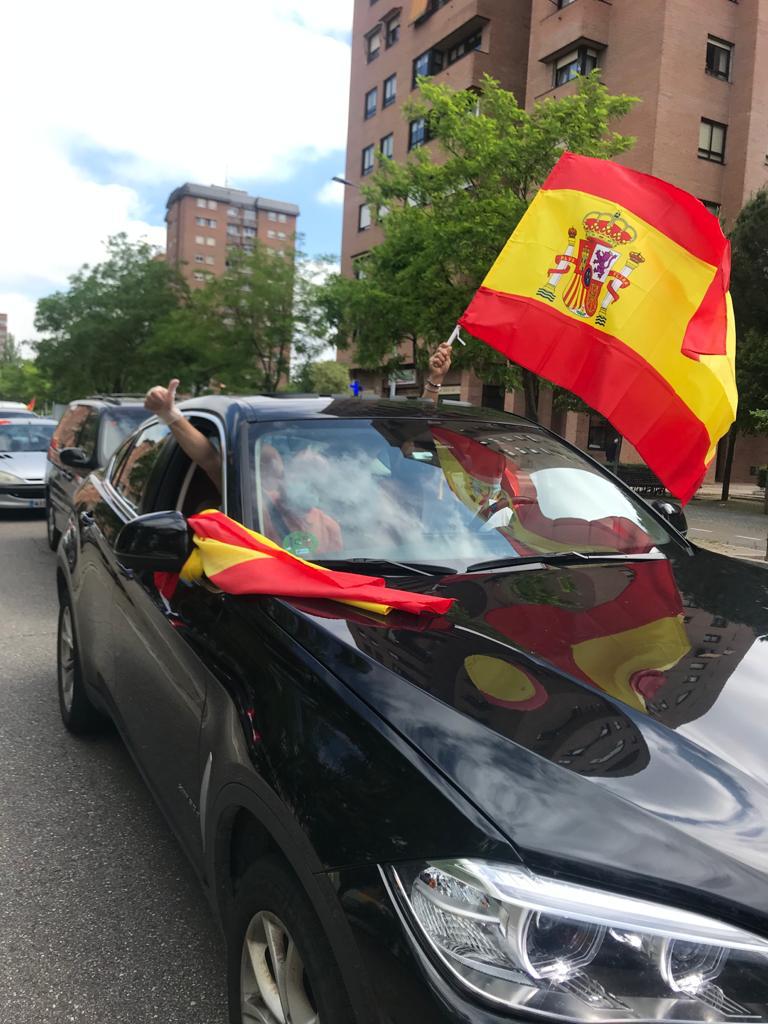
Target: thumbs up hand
x,y
162,402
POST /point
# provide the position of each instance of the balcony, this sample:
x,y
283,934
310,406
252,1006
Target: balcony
x,y
557,30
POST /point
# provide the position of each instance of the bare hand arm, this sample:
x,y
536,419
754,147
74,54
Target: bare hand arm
x,y
439,365
162,402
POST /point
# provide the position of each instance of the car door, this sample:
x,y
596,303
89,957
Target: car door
x,y
159,679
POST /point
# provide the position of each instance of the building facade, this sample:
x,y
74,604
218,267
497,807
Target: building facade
x,y
204,221
3,332
699,67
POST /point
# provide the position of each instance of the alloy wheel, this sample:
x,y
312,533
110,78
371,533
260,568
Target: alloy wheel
x,y
67,658
274,988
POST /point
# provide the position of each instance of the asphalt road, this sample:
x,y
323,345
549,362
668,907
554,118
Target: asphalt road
x,y
101,916
738,528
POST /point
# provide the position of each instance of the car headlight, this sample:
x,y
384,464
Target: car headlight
x,y
561,950
9,478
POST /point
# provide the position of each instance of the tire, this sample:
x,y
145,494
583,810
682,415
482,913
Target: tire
x,y
54,535
272,911
77,713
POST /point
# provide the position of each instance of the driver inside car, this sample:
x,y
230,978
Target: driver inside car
x,y
291,516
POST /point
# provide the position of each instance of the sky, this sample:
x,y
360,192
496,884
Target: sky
x,y
107,107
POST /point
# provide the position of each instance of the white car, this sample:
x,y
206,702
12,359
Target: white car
x,y
24,444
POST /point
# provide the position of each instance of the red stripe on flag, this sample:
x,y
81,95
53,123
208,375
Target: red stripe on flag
x,y
606,373
670,210
707,330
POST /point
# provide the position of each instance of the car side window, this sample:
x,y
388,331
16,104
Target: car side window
x,y
88,433
67,434
133,471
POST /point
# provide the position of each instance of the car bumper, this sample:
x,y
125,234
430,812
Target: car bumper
x,y
407,986
18,496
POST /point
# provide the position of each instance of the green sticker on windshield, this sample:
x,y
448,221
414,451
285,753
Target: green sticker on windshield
x,y
300,543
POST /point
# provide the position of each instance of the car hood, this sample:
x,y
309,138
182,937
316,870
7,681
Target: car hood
x,y
28,466
606,716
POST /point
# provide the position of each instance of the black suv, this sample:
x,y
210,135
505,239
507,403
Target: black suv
x,y
88,432
550,803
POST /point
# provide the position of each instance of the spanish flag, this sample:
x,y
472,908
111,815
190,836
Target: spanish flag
x,y
241,561
614,285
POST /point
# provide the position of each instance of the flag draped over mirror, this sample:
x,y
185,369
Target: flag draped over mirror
x,y
614,285
240,561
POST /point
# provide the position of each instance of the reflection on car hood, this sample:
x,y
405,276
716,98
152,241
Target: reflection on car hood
x,y
608,714
28,466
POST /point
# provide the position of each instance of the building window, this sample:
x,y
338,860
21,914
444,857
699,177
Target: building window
x,y
201,202
388,145
367,160
199,239
233,229
271,215
363,217
210,241
392,30
719,58
249,232
271,233
601,433
232,212
212,204
282,218
199,259
249,215
390,91
199,275
373,44
713,208
212,223
418,133
281,234
577,62
429,63
712,140
209,260
462,48
370,102
201,221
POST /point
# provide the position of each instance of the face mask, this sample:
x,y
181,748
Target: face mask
x,y
300,496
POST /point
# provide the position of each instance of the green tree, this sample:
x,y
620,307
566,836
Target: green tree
x,y
326,377
749,290
242,329
447,212
97,334
20,379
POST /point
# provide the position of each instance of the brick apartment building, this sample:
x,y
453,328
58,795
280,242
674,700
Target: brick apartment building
x,y
3,332
204,221
700,68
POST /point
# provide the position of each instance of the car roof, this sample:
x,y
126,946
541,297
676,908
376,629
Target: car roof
x,y
110,401
294,407
36,420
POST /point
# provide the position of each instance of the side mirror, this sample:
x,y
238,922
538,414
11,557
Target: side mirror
x,y
673,513
158,542
76,458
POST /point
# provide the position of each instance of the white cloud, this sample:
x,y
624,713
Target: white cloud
x,y
174,92
331,193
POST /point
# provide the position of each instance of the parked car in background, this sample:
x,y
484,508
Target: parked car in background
x,y
15,410
24,442
549,804
88,432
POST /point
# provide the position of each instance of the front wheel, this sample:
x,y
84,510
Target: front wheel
x,y
281,969
77,713
54,535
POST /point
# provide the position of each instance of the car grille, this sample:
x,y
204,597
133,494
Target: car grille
x,y
23,490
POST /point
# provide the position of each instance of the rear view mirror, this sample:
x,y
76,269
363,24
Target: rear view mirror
x,y
77,458
673,513
158,542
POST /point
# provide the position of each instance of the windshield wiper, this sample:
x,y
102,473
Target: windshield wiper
x,y
559,558
385,566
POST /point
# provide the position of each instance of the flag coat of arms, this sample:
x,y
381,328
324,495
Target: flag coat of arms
x,y
614,285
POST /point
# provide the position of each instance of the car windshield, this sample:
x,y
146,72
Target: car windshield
x,y
412,490
116,425
25,436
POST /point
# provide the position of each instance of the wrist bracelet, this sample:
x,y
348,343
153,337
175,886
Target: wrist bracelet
x,y
431,384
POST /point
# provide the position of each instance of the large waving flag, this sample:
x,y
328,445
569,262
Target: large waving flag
x,y
241,561
614,285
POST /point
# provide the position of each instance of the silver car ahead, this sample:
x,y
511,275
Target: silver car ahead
x,y
23,446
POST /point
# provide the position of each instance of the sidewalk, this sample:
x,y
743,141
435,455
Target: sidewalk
x,y
737,527
749,492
